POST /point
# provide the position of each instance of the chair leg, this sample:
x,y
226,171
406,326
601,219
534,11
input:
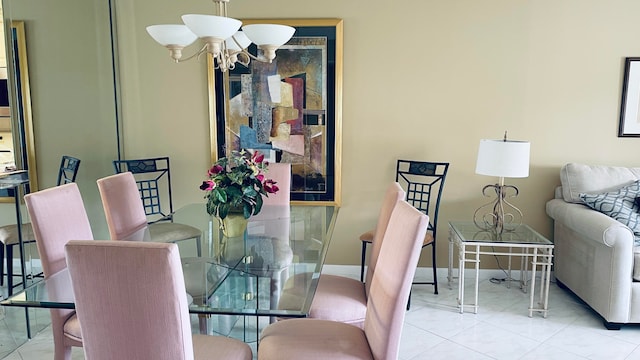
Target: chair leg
x,y
9,251
199,246
362,260
435,268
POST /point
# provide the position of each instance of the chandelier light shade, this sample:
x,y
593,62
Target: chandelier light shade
x,y
238,38
269,37
205,26
172,34
503,159
221,38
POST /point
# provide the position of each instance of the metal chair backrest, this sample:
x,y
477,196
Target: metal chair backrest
x,y
68,170
423,182
152,176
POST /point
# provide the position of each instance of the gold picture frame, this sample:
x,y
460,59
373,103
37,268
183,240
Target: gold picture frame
x,y
312,141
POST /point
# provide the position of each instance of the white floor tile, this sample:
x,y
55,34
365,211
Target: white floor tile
x,y
434,329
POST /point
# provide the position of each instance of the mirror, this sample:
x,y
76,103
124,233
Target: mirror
x,y
17,150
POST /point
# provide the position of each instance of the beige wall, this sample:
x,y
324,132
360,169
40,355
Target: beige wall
x,y
69,55
423,80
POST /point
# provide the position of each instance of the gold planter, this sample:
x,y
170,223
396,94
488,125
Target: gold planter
x,y
234,225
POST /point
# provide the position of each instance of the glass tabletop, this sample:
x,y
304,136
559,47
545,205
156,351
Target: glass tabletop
x,y
467,231
241,276
12,179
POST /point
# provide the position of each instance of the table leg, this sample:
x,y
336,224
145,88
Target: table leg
x,y
534,265
450,270
477,265
16,196
509,277
461,263
524,269
544,296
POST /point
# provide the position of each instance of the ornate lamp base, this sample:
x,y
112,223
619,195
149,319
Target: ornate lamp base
x,y
493,216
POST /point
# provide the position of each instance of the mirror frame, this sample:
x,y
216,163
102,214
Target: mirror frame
x,y
20,105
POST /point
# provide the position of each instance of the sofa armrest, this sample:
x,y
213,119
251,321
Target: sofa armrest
x,y
590,224
593,256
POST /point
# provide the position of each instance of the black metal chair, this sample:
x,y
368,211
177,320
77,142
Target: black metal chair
x,y
423,183
153,176
67,173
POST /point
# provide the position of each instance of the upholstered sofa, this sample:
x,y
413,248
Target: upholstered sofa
x,y
597,256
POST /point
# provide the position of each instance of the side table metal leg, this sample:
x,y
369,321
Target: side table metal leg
x,y
534,264
450,270
461,264
546,281
477,263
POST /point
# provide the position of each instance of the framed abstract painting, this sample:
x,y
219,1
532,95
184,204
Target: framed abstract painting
x,y
289,109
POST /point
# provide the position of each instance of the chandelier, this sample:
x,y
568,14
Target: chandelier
x,y
222,38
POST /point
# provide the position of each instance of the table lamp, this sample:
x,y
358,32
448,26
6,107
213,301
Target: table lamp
x,y
501,158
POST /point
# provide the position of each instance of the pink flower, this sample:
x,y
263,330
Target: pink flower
x,y
270,186
208,185
215,169
260,177
257,157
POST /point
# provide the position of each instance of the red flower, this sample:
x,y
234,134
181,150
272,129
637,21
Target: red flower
x,y
215,169
208,185
260,177
270,186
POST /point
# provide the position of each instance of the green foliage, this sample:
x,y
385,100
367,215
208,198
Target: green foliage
x,y
236,184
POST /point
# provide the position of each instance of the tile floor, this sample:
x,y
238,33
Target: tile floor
x,y
435,330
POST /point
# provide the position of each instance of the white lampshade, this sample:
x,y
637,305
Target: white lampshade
x,y
503,158
241,38
172,34
219,27
268,34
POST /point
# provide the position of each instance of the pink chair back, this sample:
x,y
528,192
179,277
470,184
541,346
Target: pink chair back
x,y
130,299
122,205
391,283
392,195
57,216
281,174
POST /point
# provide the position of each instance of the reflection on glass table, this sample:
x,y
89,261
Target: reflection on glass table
x,y
235,277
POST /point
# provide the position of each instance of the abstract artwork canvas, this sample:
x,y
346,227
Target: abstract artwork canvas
x,y
289,109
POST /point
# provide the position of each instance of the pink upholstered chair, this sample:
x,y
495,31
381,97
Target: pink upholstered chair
x,y
340,298
122,205
131,300
58,215
281,174
125,213
389,292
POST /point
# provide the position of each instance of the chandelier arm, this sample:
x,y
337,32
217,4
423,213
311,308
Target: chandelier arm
x,y
253,56
197,54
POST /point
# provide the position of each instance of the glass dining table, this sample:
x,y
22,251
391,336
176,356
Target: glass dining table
x,y
235,284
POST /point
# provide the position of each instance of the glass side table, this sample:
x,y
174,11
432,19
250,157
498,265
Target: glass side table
x,y
473,242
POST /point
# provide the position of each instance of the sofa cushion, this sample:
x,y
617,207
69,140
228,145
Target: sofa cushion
x,y
593,179
619,204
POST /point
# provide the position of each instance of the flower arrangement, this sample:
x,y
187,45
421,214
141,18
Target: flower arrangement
x,y
237,183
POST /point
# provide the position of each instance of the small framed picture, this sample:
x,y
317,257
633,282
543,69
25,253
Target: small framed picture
x,y
630,103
